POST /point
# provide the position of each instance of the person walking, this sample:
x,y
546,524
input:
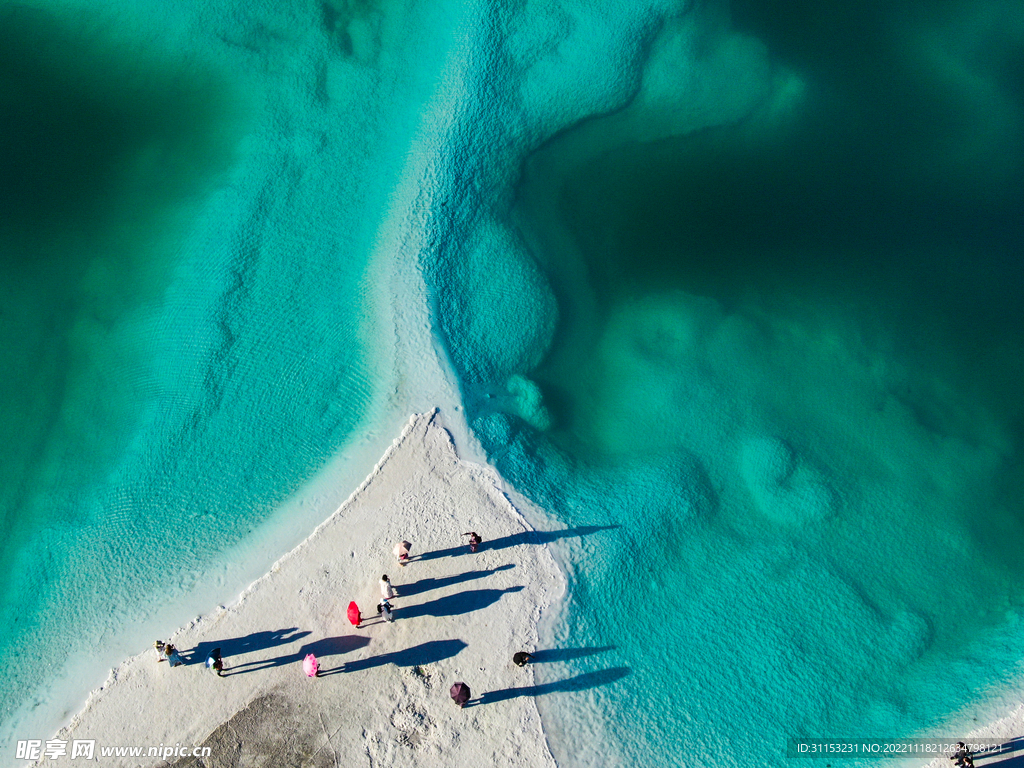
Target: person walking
x,y
402,550
474,540
384,609
521,659
215,663
386,590
172,656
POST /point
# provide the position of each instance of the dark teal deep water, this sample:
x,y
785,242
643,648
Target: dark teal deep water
x,y
787,364
185,321
83,182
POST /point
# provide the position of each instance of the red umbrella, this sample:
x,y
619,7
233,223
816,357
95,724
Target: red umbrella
x,y
460,694
353,614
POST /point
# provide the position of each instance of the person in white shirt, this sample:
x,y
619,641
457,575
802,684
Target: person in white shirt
x,y
386,590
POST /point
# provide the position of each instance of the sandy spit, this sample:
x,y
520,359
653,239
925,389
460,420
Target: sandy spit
x,y
383,696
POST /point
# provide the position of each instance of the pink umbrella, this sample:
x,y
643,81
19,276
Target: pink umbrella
x,y
353,614
310,665
401,551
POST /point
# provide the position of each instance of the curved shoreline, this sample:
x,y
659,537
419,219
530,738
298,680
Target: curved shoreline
x,y
462,619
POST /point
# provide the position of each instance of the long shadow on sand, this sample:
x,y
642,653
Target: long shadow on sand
x,y
577,683
524,537
416,656
328,646
257,641
454,605
551,655
425,585
1003,756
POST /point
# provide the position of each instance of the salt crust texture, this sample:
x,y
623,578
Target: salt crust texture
x,y
384,698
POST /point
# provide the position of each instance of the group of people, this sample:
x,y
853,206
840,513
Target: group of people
x,y
387,593
167,652
402,552
403,549
461,693
311,666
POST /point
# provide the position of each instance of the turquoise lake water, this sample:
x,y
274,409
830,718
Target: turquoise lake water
x,y
736,293
778,347
185,233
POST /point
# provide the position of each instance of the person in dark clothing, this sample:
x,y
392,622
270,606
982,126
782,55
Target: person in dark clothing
x,y
474,540
962,757
215,663
521,659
